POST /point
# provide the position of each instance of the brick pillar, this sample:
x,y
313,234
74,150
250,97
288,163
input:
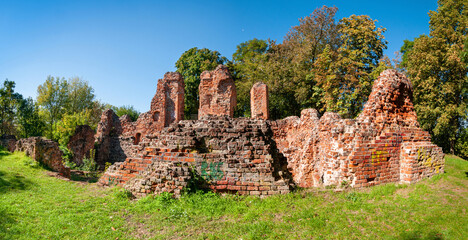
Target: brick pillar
x,y
259,101
167,105
217,93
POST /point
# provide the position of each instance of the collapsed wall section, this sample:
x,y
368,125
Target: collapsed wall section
x,y
116,137
383,144
218,153
44,151
8,142
260,157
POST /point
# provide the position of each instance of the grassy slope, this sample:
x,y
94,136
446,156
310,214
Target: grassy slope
x,y
34,205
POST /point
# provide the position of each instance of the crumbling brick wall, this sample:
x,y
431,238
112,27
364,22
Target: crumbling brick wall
x,y
261,157
44,151
109,140
217,93
116,137
81,143
8,142
230,155
383,144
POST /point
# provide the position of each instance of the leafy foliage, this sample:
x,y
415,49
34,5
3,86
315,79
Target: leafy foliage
x,y
438,69
345,75
127,110
8,102
18,116
246,64
191,64
65,128
321,63
29,121
64,104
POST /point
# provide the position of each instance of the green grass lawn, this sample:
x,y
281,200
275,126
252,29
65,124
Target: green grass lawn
x,y
35,205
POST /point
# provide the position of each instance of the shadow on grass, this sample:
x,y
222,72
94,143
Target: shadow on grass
x,y
82,176
6,219
466,173
9,182
413,235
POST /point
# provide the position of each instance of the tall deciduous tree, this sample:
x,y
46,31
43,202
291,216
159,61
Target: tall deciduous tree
x,y
438,71
8,101
29,122
80,95
247,69
346,75
52,97
191,64
57,97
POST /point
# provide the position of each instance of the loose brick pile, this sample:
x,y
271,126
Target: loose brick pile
x,y
44,151
261,157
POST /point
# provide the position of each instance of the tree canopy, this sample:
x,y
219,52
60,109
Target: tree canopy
x,y
191,64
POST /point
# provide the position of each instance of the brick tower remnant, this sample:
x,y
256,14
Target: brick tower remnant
x,y
259,101
217,93
167,105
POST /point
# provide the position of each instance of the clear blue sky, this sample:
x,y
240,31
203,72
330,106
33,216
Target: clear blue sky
x,y
123,47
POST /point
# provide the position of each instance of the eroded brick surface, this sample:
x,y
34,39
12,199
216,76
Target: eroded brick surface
x,y
217,93
81,143
259,101
230,155
44,151
117,137
261,157
8,142
384,144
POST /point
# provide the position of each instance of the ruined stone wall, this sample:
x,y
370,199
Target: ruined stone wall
x,y
108,144
217,93
384,144
81,143
230,155
44,151
8,142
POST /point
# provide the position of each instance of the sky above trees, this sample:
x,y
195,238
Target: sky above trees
x,y
122,47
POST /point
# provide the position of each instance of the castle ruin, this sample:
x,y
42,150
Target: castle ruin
x,y
161,152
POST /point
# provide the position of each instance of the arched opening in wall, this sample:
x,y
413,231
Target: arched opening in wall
x,y
137,139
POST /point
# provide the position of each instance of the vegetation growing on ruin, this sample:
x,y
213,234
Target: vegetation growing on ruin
x,y
35,205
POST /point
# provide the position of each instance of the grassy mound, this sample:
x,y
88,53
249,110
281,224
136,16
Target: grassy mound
x,y
35,205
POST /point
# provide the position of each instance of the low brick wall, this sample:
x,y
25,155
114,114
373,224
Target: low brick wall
x,y
44,151
8,142
218,153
